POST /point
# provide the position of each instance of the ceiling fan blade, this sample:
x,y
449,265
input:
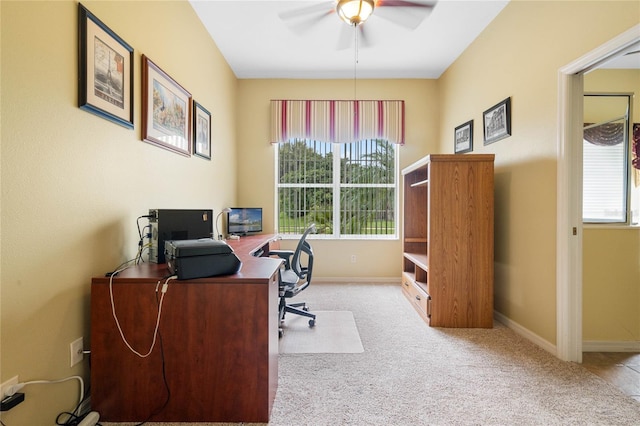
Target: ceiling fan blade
x,y
302,25
363,38
408,15
403,3
345,37
314,9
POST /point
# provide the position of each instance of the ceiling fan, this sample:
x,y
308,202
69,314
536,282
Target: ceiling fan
x,y
354,13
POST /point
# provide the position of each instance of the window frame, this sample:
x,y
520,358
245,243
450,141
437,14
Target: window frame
x,y
631,199
336,187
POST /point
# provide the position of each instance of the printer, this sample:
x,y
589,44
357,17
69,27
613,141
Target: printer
x,y
204,257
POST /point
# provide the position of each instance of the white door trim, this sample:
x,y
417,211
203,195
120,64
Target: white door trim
x,y
569,190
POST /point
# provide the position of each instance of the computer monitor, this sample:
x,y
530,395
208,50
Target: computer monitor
x,y
244,221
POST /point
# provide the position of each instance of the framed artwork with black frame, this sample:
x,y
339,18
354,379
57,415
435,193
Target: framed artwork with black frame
x,y
201,131
166,110
497,122
463,138
105,71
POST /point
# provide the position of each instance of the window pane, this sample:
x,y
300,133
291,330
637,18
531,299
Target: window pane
x,y
304,205
367,190
604,179
368,161
367,211
305,162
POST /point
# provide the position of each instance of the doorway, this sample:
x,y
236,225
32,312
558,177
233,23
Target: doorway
x,y
569,191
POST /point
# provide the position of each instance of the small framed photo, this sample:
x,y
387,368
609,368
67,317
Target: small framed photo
x,y
201,131
166,110
105,71
463,139
497,122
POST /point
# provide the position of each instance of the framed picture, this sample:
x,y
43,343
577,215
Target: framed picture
x,y
497,122
201,131
463,139
166,110
105,71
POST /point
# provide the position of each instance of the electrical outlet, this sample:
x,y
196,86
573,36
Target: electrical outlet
x,y
76,349
353,258
5,386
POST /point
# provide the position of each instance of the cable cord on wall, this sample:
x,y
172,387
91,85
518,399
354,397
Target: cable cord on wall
x,y
78,417
18,386
142,234
141,248
164,289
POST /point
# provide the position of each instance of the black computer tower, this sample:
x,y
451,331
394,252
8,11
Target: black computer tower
x,y
175,224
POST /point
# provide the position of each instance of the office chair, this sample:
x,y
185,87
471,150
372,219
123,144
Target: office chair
x,y
295,277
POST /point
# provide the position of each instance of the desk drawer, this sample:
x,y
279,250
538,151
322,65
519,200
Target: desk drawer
x,y
420,300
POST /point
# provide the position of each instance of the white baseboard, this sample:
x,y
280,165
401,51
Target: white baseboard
x,y
610,346
526,333
587,346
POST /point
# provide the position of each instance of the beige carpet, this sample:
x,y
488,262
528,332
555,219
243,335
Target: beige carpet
x,y
335,332
411,374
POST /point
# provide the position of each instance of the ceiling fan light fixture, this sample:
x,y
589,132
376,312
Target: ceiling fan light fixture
x,y
355,12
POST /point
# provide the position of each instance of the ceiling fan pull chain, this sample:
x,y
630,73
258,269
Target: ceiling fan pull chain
x,y
355,63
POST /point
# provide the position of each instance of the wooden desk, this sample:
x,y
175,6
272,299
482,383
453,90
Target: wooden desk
x,y
218,338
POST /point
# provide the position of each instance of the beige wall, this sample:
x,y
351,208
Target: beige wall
x,y
611,290
611,278
73,183
519,55
256,163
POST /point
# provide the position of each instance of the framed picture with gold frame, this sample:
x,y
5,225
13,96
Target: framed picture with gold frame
x,y
166,110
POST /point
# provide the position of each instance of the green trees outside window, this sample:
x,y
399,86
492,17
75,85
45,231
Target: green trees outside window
x,y
345,189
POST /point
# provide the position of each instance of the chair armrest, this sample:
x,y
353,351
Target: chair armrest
x,y
283,254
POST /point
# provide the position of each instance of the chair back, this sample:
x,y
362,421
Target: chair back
x,y
303,271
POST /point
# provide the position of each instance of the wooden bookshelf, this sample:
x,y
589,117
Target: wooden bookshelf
x,y
448,239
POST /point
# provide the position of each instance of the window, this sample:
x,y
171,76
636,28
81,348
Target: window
x,y
607,195
349,190
604,182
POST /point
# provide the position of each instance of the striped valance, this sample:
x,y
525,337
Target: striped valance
x,y
337,121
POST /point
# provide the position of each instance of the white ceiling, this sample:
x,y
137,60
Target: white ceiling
x,y
258,43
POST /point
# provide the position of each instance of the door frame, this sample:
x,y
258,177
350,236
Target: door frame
x,y
569,192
